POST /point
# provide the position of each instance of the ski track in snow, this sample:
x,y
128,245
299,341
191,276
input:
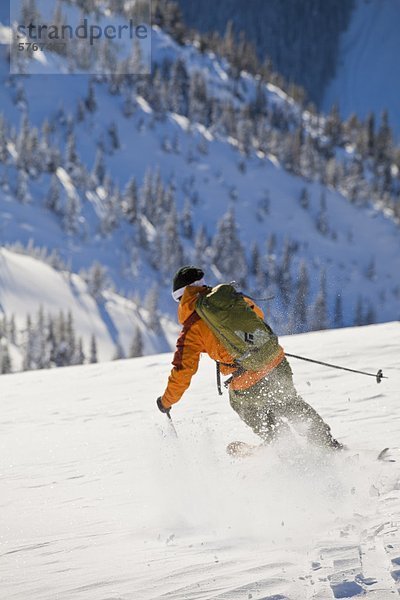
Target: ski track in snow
x,y
98,501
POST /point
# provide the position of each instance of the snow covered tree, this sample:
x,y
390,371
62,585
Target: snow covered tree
x,y
93,349
304,198
201,246
284,273
186,220
338,312
136,348
319,319
53,198
198,101
99,169
179,88
301,297
96,279
130,201
5,359
151,303
228,252
90,100
114,136
71,213
322,221
22,191
171,247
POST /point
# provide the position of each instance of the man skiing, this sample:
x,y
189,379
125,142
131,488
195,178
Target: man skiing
x,y
265,399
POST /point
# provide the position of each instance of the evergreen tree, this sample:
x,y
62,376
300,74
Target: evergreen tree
x,y
79,356
186,220
130,201
201,246
96,279
93,349
301,297
114,136
71,213
322,222
53,200
228,252
304,199
136,348
99,169
151,303
179,88
90,100
22,191
5,360
338,312
359,312
320,313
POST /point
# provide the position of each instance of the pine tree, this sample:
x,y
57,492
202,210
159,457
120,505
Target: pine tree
x,y
201,247
186,220
301,297
79,356
322,222
179,88
53,195
284,274
90,100
114,136
99,169
96,279
304,198
93,349
130,201
228,252
338,312
5,360
320,313
359,312
22,191
151,303
71,213
171,247
136,348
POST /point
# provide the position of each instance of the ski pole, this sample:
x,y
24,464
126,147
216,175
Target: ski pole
x,y
379,376
172,424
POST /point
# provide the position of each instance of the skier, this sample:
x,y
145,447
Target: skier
x,y
266,400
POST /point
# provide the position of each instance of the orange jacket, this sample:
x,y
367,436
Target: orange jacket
x,y
195,338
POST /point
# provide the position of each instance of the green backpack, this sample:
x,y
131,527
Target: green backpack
x,y
242,333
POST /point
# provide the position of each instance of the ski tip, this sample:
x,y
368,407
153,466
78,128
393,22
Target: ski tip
x,y
389,454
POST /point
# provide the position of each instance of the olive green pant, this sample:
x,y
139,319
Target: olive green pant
x,y
269,406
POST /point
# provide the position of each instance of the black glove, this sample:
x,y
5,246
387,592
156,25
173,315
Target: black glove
x,y
162,408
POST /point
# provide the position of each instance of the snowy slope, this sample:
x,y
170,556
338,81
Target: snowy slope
x,y
361,234
27,284
99,501
199,166
368,73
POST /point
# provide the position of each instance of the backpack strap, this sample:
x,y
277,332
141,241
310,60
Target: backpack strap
x,y
239,371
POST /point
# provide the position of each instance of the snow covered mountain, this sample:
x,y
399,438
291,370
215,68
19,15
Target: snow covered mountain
x,y
99,500
368,72
31,289
200,164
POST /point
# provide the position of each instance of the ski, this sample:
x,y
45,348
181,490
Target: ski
x,y
241,449
389,454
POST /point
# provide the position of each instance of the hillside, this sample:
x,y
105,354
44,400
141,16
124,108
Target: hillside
x,y
110,505
201,163
31,288
368,72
